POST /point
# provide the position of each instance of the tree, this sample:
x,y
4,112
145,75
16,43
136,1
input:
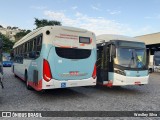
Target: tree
x,y
21,34
7,44
9,27
44,22
13,28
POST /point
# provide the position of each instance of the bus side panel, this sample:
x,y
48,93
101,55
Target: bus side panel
x,y
19,69
35,75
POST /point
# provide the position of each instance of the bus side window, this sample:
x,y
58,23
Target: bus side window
x,y
21,55
30,51
30,46
34,44
25,50
39,45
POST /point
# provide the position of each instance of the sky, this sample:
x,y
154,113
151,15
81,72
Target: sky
x,y
124,17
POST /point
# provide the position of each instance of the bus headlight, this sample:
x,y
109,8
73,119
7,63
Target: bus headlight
x,y
121,72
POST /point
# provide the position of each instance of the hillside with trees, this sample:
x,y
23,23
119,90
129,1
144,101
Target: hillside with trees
x,y
7,44
21,34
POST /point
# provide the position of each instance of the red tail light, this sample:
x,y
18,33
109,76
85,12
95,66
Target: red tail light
x,y
47,75
94,74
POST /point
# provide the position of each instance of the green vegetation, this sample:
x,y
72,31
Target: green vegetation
x,y
21,34
7,44
38,23
44,22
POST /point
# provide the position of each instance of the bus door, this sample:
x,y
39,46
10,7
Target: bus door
x,y
102,63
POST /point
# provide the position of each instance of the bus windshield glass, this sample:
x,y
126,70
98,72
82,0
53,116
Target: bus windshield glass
x,y
73,53
131,44
131,57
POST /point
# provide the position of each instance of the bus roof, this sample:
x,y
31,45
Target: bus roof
x,y
108,37
40,30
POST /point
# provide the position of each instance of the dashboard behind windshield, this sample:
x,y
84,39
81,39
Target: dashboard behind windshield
x,y
131,57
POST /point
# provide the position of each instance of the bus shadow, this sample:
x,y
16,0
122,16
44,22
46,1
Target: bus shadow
x,y
61,93
130,90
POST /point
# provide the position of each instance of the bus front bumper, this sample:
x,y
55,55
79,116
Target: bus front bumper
x,y
120,80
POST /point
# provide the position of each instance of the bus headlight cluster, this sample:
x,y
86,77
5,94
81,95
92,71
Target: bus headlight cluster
x,y
118,71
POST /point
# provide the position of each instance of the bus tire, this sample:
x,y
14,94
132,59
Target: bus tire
x,y
26,80
150,70
43,91
15,75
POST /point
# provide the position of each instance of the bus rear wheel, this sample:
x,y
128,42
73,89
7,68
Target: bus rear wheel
x,y
150,70
26,80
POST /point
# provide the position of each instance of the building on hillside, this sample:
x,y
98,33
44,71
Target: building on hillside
x,y
10,32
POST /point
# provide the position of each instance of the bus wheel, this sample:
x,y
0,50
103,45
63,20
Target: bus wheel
x,y
15,75
117,87
26,80
150,70
43,91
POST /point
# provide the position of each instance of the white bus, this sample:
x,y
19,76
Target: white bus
x,y
121,61
157,61
56,57
154,62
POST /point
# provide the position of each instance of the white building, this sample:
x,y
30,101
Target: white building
x,y
10,32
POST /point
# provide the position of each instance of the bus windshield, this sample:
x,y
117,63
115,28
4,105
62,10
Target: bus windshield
x,y
131,57
73,53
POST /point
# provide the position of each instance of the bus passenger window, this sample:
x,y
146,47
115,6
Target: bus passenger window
x,y
34,44
25,47
30,46
39,44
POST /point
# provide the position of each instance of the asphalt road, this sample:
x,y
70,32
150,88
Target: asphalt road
x,y
16,97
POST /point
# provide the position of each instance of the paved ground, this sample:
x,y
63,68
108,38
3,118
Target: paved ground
x,y
15,96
